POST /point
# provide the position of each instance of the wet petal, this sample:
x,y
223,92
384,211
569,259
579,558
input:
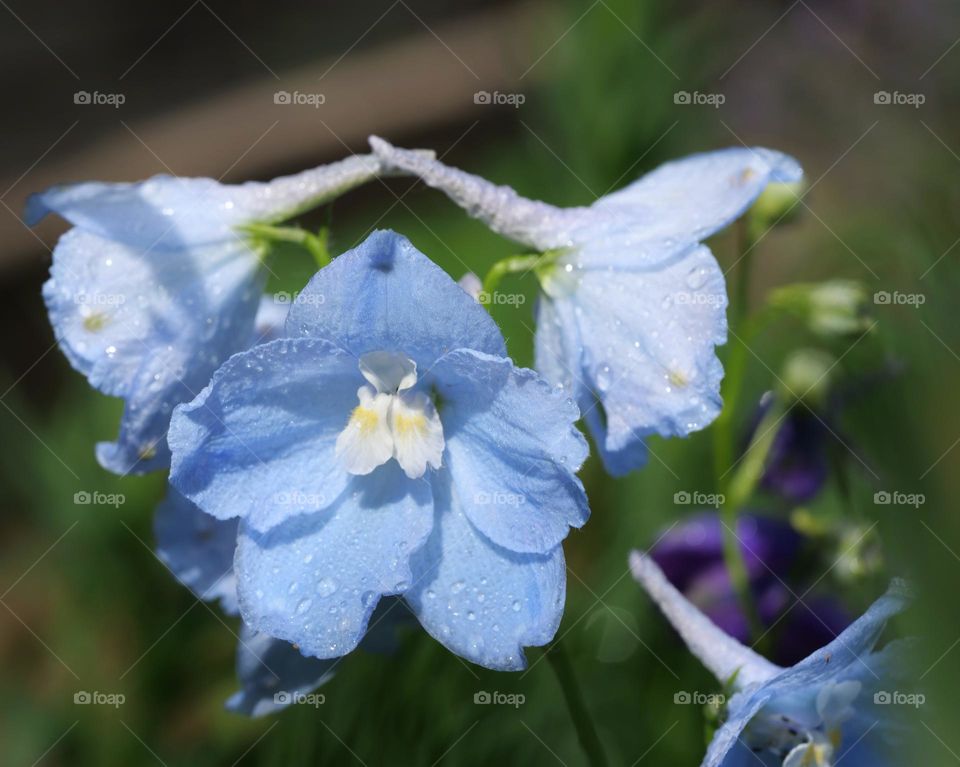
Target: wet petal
x,y
385,295
480,601
316,579
259,441
273,674
169,213
698,195
198,549
149,330
648,351
513,451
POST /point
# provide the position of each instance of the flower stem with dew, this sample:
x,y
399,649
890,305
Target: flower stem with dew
x,y
586,731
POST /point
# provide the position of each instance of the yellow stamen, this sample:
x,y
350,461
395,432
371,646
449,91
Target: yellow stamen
x,y
403,425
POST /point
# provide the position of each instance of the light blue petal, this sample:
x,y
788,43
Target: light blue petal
x,y
259,441
480,601
385,295
698,195
198,549
315,579
149,329
647,351
513,451
846,657
169,213
273,673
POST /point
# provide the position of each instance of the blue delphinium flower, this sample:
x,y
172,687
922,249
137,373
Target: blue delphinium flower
x,y
387,446
691,556
156,284
820,712
633,305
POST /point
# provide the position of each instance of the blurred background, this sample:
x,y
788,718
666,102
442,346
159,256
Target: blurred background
x,y
564,101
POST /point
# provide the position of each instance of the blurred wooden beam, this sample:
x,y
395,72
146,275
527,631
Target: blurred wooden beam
x,y
410,85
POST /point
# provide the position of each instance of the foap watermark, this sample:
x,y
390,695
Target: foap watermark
x,y
696,498
499,498
898,698
700,299
297,698
496,298
100,299
515,100
696,698
686,98
497,698
896,498
95,698
300,499
313,299
896,298
96,498
884,98
98,99
298,99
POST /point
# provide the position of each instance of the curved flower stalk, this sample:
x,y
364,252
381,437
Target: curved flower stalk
x,y
820,712
632,305
157,284
385,447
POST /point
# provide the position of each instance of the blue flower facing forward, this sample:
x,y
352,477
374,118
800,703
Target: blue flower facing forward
x,y
157,284
633,304
386,446
820,712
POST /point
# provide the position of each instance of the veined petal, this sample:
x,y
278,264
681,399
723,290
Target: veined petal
x,y
849,656
316,579
198,549
259,441
532,223
513,451
149,330
386,296
170,213
723,655
698,195
647,351
273,674
481,601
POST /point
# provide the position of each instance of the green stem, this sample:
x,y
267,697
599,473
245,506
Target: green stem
x,y
586,732
316,244
724,453
510,265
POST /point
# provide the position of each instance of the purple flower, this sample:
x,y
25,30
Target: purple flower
x,y
691,556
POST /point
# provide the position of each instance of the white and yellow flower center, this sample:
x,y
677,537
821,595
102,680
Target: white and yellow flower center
x,y
391,421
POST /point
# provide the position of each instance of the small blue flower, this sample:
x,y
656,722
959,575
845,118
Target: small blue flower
x,y
634,305
387,446
155,286
820,712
